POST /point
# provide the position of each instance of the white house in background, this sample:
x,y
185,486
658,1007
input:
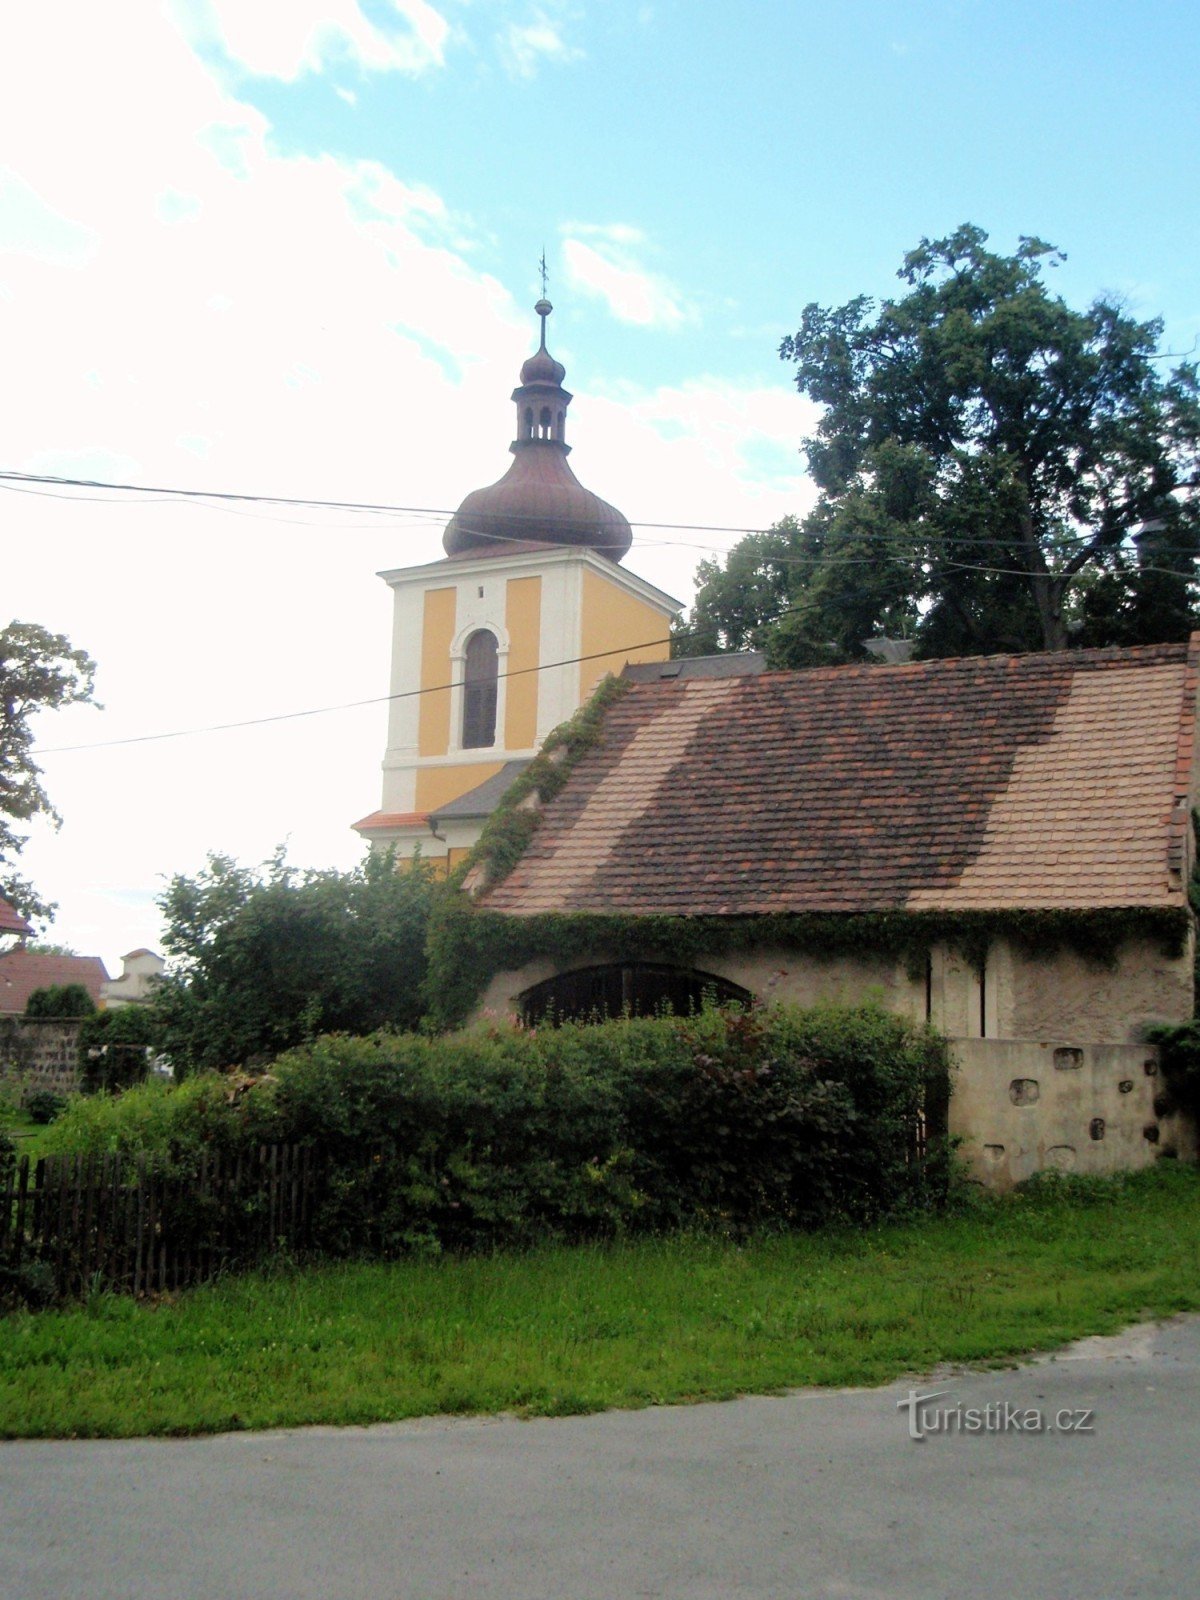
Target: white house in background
x,y
140,970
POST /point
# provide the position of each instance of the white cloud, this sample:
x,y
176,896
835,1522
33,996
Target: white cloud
x,y
202,310
524,47
30,226
709,452
285,41
603,262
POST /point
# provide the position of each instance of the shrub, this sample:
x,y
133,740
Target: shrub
x,y
263,960
64,1001
1179,1053
116,1048
44,1105
500,1134
168,1123
28,1287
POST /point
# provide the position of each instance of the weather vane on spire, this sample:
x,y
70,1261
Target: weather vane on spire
x,y
542,269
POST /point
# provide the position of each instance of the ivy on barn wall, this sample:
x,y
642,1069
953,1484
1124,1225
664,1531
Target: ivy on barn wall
x,y
468,944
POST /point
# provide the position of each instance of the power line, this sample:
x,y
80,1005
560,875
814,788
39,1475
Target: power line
x,y
347,705
226,499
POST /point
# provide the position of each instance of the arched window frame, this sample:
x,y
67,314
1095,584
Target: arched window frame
x,y
458,673
614,985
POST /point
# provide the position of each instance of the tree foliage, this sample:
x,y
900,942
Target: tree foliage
x,y
996,470
264,959
117,1046
39,671
64,1001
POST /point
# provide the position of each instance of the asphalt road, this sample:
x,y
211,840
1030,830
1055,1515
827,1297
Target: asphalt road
x,y
819,1494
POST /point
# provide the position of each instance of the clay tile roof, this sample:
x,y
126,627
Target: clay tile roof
x,y
22,971
383,820
11,920
1048,781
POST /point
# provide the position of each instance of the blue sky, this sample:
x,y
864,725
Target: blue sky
x,y
784,152
291,248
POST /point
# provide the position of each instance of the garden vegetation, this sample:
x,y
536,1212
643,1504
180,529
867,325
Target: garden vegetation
x,y
501,1135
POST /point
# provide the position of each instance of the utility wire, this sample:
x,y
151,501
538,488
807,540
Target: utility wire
x,y
819,559
349,705
24,482
17,481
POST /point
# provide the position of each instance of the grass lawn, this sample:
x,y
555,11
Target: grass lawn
x,y
28,1135
576,1329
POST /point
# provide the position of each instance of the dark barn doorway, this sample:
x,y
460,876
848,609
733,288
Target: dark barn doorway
x,y
626,988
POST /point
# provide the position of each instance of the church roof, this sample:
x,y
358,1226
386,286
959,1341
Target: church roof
x,y
733,664
1047,781
539,498
483,799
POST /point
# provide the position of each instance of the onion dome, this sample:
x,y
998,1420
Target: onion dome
x,y
539,499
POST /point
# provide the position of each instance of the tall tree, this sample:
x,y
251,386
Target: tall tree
x,y
39,671
997,471
261,960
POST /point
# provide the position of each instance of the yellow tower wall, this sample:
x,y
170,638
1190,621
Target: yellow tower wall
x,y
523,620
621,626
437,635
437,786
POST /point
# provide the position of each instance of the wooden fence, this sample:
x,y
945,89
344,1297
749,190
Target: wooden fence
x,y
109,1222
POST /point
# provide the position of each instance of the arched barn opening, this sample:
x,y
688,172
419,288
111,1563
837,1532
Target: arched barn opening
x,y
626,988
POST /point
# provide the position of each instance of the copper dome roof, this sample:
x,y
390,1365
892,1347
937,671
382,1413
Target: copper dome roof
x,y
543,368
539,498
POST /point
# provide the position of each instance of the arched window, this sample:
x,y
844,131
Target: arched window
x,y
629,988
480,670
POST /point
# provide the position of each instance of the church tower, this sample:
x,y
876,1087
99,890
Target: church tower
x,y
501,640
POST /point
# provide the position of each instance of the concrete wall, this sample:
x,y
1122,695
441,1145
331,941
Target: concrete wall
x,y
1062,993
1022,1106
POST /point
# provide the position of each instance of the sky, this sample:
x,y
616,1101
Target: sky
x,y
291,249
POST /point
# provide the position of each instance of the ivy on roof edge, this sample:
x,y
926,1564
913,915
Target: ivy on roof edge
x,y
469,944
514,822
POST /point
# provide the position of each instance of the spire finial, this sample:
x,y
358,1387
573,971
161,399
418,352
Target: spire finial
x,y
543,307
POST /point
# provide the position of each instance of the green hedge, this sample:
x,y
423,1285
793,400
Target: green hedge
x,y
507,1135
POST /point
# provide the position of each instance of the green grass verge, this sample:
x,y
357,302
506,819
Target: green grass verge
x,y
577,1329
30,1137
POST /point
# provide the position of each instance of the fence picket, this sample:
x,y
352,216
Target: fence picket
x,y
139,1249
6,1205
119,1224
22,1200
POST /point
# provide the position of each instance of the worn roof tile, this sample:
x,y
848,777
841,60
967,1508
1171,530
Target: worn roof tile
x,y
1049,780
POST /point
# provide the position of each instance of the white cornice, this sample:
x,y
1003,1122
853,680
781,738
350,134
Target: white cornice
x,y
529,562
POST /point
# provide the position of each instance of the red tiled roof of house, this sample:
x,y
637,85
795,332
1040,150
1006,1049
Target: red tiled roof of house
x,y
391,819
11,920
1047,781
22,971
